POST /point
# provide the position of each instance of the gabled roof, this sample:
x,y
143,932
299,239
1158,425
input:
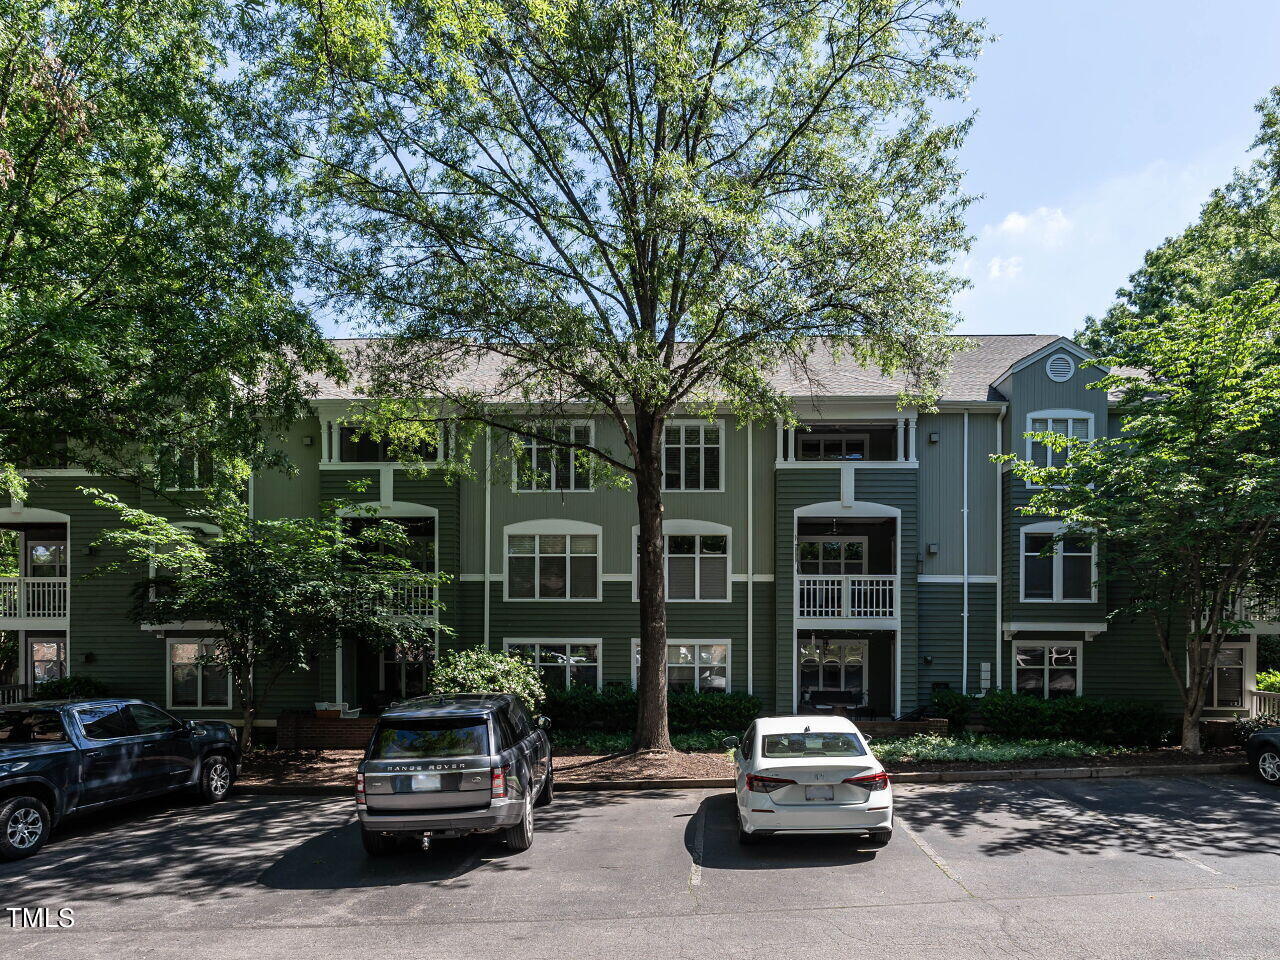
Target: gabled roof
x,y
1056,345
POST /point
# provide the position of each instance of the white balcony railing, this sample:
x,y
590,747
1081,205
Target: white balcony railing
x,y
34,598
863,596
413,600
1265,703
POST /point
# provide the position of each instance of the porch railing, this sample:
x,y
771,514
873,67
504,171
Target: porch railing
x,y
1265,703
862,596
413,600
37,598
12,693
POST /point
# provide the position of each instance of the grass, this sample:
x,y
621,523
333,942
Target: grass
x,y
981,749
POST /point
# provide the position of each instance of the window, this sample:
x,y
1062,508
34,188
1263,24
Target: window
x,y
1056,568
48,658
562,663
832,444
193,683
697,566
413,739
404,669
1068,423
794,746
30,726
545,466
833,557
354,446
691,456
1225,684
108,722
150,720
183,468
553,566
1047,670
693,666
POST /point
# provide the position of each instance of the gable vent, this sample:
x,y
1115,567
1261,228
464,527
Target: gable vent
x,y
1060,367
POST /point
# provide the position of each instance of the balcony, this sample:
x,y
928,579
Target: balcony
x,y
34,598
847,597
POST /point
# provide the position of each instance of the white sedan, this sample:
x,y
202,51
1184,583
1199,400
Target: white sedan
x,y
810,775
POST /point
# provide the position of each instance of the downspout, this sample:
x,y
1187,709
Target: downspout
x,y
964,606
488,546
1000,548
751,559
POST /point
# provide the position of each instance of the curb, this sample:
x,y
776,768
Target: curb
x,y
922,776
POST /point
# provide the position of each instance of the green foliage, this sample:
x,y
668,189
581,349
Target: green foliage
x,y
283,592
1269,680
588,742
75,687
923,748
145,290
613,711
475,670
1242,728
1017,716
955,706
8,656
1268,652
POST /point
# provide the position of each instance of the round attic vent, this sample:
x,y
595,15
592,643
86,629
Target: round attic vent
x,y
1060,367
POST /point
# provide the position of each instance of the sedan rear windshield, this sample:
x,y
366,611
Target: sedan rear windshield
x,y
21,728
791,745
435,737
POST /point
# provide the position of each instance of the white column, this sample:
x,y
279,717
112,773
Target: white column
x,y
778,457
915,456
902,453
325,455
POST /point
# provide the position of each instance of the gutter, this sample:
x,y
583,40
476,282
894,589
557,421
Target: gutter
x,y
964,606
1000,550
751,606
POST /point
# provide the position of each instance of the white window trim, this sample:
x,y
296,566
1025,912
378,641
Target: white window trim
x,y
866,669
553,528
675,642
1056,415
866,545
591,439
168,676
331,443
1250,669
682,423
816,431
1046,644
1053,528
384,660
596,642
685,528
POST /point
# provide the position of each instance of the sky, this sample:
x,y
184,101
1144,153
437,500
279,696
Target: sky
x,y
1102,126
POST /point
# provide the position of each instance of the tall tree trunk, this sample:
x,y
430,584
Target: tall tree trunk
x,y
652,731
248,712
1191,731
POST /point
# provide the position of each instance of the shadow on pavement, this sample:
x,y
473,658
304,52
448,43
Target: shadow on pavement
x,y
1217,816
717,821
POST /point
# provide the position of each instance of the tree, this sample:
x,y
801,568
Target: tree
x,y
625,210
145,291
483,671
282,592
1234,243
1185,504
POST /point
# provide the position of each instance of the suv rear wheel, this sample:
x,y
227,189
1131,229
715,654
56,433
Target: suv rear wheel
x,y
24,827
520,837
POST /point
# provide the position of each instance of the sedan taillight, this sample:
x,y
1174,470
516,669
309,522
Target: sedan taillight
x,y
360,788
870,781
499,780
759,784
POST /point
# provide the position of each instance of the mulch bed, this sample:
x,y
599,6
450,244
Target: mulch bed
x,y
324,768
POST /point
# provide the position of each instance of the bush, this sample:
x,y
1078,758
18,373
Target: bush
x,y
1016,716
579,741
482,671
955,706
1268,653
1242,728
981,749
1269,680
71,688
582,711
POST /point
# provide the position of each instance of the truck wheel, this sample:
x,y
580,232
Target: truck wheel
x,y
24,827
520,837
215,778
378,844
548,791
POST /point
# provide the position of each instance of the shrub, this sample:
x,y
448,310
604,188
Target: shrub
x,y
1089,719
1269,680
1268,653
1242,728
76,687
955,706
981,749
605,743
482,671
613,710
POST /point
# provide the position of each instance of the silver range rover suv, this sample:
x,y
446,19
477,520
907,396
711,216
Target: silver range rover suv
x,y
451,766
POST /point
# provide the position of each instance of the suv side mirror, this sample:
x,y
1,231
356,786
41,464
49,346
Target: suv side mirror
x,y
544,723
731,743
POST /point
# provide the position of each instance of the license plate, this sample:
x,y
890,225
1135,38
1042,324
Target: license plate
x,y
425,781
821,792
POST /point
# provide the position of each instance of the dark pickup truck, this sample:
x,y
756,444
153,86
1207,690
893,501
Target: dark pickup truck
x,y
65,756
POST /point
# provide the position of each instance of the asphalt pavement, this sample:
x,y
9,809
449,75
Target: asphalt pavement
x,y
1152,868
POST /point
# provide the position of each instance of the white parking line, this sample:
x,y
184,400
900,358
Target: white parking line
x,y
927,849
695,868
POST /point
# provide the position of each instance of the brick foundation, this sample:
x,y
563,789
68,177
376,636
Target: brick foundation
x,y
297,730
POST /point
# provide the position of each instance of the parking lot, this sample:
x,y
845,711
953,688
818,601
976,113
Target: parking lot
x,y
1159,867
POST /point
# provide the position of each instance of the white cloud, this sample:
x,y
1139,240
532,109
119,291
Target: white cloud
x,y
1045,226
1004,268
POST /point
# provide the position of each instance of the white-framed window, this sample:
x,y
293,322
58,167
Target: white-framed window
x,y
1226,682
352,445
542,466
193,684
1049,670
832,444
1057,568
695,557
550,560
1076,424
562,664
697,666
691,455
403,670
832,556
184,469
